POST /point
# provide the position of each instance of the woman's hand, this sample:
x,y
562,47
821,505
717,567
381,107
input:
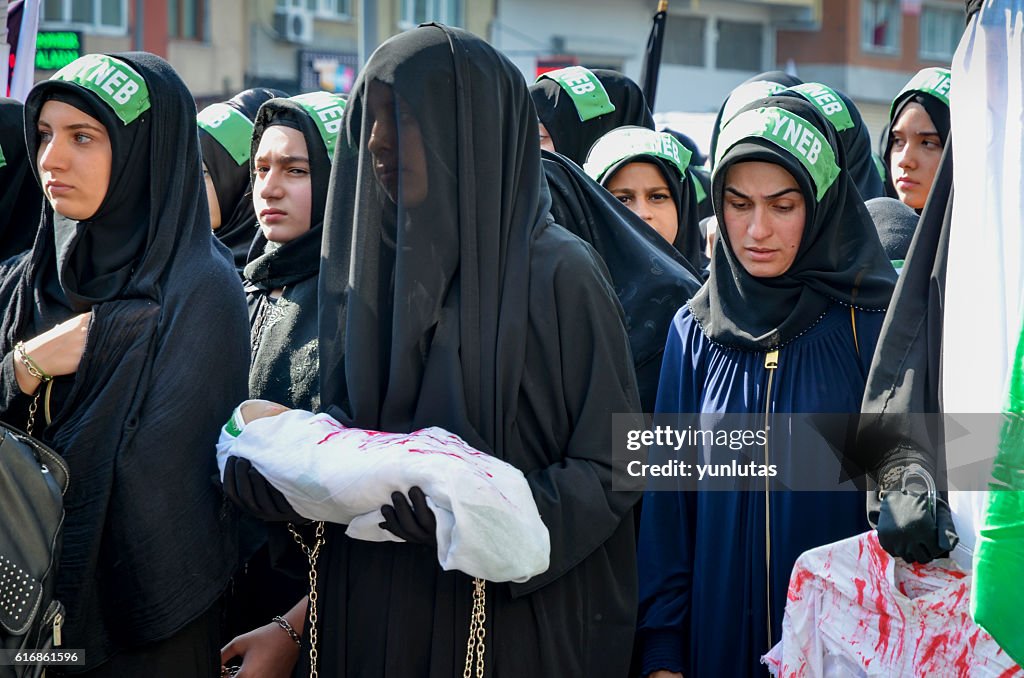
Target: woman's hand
x,y
665,674
56,352
267,652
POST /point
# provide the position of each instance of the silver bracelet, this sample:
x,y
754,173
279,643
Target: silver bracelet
x,y
286,625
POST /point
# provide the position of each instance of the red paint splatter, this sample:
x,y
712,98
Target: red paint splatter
x,y
328,437
962,664
1012,671
933,647
796,585
961,592
860,584
884,624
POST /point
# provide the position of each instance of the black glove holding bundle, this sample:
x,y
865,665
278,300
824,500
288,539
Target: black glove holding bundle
x,y
913,523
247,487
414,523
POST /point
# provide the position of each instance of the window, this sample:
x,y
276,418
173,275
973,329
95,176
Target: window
x,y
739,46
186,19
941,30
97,16
415,12
332,9
880,25
684,40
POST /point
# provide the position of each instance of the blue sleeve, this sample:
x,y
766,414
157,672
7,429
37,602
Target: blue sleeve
x,y
665,549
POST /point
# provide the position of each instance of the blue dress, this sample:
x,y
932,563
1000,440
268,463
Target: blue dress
x,y
703,574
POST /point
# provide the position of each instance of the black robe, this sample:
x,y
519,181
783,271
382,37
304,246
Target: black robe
x,y
905,380
20,197
149,541
468,309
651,278
285,363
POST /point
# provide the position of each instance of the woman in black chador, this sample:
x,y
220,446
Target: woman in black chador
x,y
225,135
449,298
20,198
116,302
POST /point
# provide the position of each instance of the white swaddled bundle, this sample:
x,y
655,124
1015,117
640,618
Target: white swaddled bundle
x,y
488,525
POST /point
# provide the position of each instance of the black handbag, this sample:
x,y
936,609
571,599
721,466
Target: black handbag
x,y
33,479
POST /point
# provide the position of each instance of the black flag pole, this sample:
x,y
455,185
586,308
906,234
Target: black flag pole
x,y
652,57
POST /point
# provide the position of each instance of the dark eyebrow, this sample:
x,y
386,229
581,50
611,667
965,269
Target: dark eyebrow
x,y
77,126
286,159
773,196
931,133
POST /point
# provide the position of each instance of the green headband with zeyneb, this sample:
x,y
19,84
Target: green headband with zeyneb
x,y
747,92
790,132
326,110
827,102
230,128
934,81
626,142
117,84
585,89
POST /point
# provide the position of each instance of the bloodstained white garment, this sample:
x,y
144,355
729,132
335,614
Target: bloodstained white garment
x,y
852,610
488,525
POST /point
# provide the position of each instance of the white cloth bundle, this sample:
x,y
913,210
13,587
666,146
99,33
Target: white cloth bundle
x,y
488,525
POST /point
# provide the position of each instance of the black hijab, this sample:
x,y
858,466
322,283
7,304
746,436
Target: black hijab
x,y
929,88
20,197
759,86
391,352
839,259
148,543
623,146
853,134
571,135
270,268
98,256
225,133
896,224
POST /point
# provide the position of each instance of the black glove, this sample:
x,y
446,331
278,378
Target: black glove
x,y
908,530
415,524
247,487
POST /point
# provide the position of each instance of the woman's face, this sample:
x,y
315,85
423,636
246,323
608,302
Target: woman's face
x,y
282,191
642,188
764,214
74,160
211,198
396,144
915,155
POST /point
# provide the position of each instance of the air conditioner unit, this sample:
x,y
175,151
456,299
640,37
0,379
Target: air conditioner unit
x,y
294,24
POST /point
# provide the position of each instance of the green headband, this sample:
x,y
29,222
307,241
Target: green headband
x,y
745,93
627,142
326,110
933,81
116,83
791,133
231,129
698,187
3,160
828,102
585,89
